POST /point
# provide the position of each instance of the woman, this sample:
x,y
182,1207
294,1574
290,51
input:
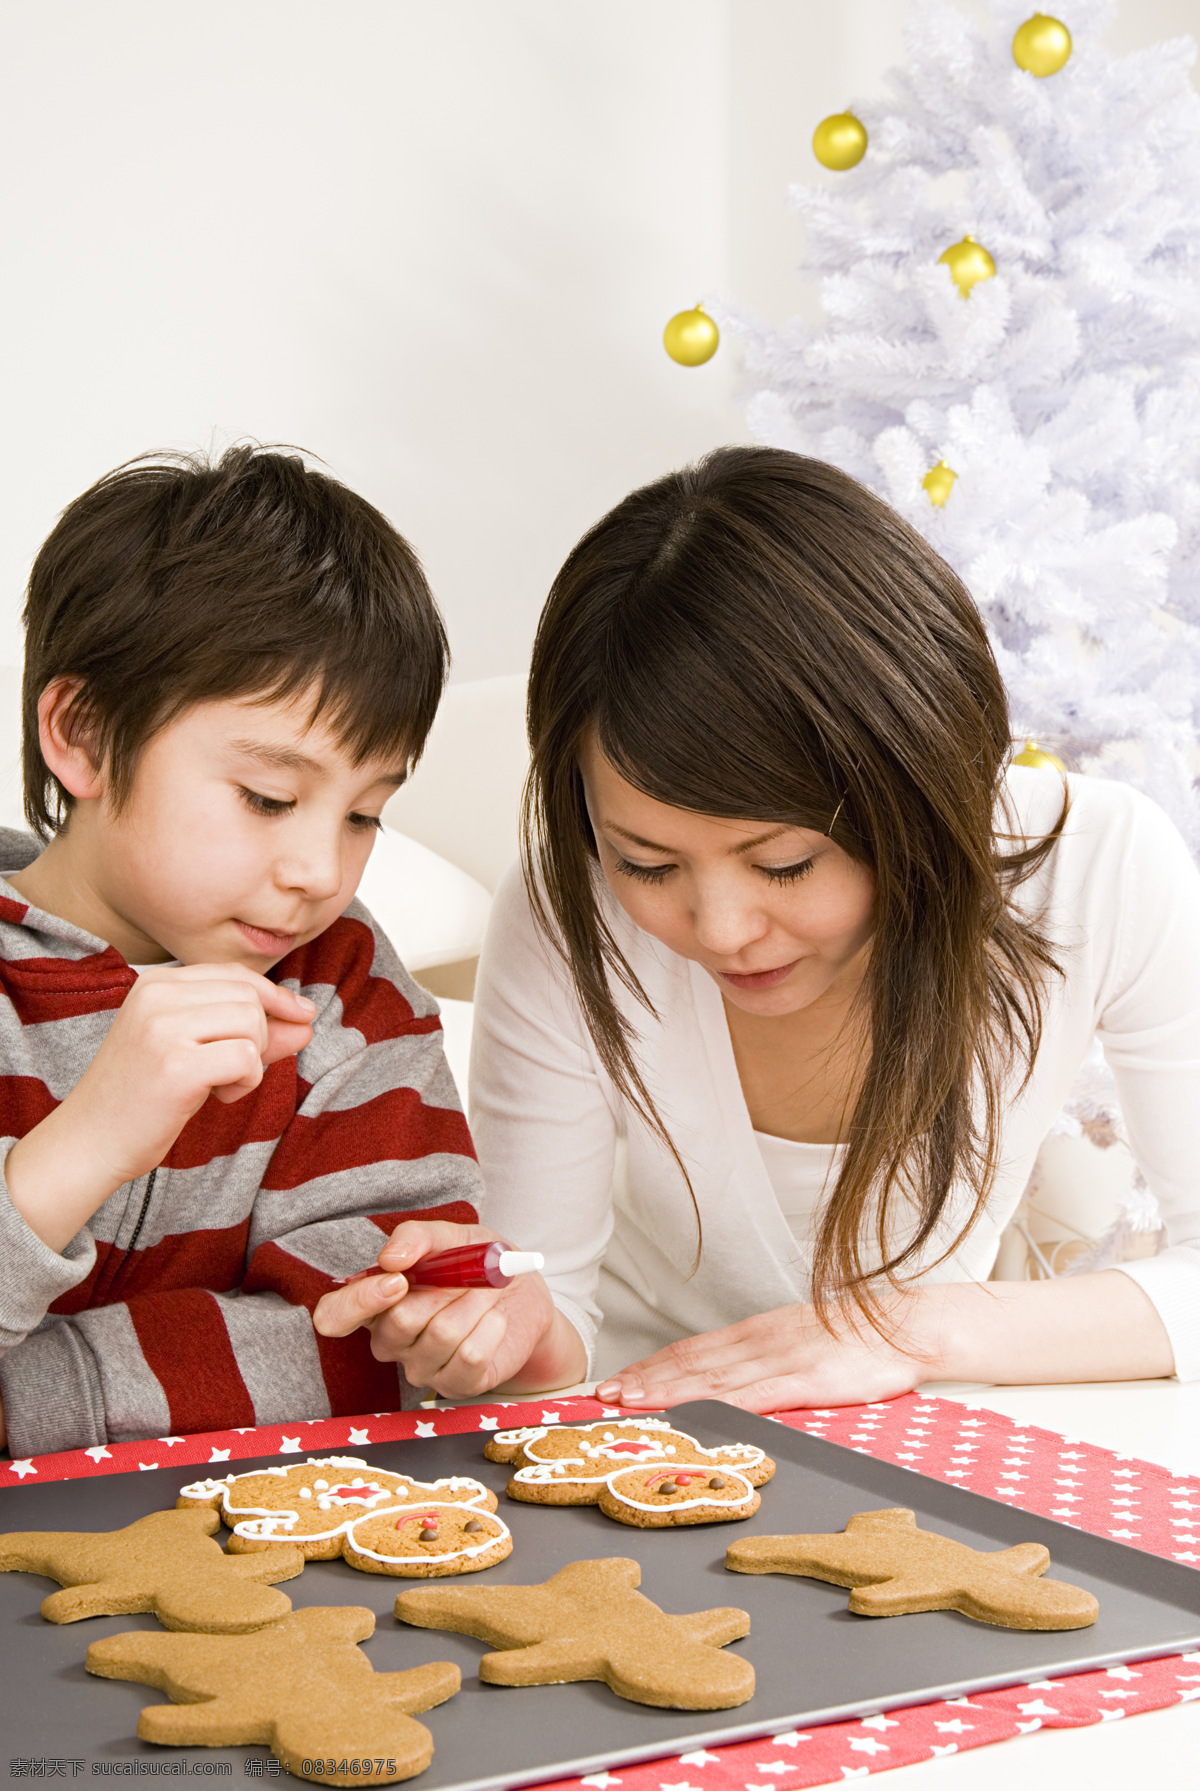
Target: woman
x,y
797,979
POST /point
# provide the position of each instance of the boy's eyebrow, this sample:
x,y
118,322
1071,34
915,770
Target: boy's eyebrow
x,y
653,846
290,758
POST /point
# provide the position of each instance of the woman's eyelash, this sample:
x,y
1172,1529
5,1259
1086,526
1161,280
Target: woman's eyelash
x,y
366,821
654,873
645,873
788,873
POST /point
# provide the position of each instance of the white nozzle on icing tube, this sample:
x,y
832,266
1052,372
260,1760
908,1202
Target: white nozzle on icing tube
x,y
520,1262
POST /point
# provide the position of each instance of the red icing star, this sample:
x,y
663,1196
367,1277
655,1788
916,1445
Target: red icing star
x,y
633,1446
362,1493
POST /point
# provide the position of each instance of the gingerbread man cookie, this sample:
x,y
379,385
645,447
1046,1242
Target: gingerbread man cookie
x,y
167,1563
638,1470
303,1688
588,1621
379,1522
896,1568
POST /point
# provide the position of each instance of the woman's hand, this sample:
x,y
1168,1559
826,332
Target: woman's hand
x,y
1097,1327
459,1341
769,1363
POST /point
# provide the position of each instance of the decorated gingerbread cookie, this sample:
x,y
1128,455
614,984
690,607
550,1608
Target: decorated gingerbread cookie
x,y
638,1470
167,1563
341,1505
434,1540
302,1687
588,1621
896,1568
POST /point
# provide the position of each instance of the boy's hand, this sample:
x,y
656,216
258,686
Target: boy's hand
x,y
458,1341
180,1035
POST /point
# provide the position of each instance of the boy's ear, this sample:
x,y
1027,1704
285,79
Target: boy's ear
x,y
65,745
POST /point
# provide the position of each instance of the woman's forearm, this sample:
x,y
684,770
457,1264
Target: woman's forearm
x,y
1100,1327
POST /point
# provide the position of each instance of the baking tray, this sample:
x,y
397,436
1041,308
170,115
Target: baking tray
x,y
815,1663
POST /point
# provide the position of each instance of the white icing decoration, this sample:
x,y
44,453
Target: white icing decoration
x,y
468,1553
685,1504
509,1438
202,1489
543,1469
321,1485
306,1492
266,1523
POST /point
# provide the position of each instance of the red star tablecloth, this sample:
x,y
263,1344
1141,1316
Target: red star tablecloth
x,y
1132,1501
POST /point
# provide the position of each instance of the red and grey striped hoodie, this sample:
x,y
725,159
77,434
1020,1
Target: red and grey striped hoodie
x,y
184,1304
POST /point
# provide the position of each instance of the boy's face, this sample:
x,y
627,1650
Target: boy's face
x,y
245,834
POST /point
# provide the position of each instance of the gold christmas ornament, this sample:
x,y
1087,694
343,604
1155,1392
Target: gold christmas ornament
x,y
969,262
939,482
840,141
1042,45
1031,754
691,337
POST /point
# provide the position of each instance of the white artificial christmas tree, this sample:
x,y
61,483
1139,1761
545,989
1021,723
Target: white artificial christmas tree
x,y
1063,393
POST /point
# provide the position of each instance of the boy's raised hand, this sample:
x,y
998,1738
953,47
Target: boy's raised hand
x,y
181,1034
459,1341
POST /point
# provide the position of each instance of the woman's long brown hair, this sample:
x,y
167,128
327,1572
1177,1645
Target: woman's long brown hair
x,y
759,637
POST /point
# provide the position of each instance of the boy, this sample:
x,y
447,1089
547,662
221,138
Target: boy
x,y
220,1089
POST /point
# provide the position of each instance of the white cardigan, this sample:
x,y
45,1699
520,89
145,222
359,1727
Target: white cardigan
x,y
572,1171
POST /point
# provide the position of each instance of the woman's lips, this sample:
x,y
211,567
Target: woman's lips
x,y
761,979
266,942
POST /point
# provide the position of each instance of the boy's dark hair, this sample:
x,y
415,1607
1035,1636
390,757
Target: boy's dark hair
x,y
175,581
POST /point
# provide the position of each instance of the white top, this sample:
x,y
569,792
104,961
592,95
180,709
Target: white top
x,y
800,1175
570,1170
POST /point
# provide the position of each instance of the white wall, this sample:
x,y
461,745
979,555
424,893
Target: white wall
x,y
434,241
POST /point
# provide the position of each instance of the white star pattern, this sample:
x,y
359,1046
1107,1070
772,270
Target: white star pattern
x,y
21,1468
1113,1715
98,1452
790,1738
879,1722
700,1758
494,1424
147,1466
426,1430
601,1780
290,1446
219,1455
358,1436
1037,1707
867,1744
938,1753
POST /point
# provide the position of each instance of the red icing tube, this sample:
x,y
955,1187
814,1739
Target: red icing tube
x,y
473,1265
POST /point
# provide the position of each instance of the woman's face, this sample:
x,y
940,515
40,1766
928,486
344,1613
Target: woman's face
x,y
779,916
